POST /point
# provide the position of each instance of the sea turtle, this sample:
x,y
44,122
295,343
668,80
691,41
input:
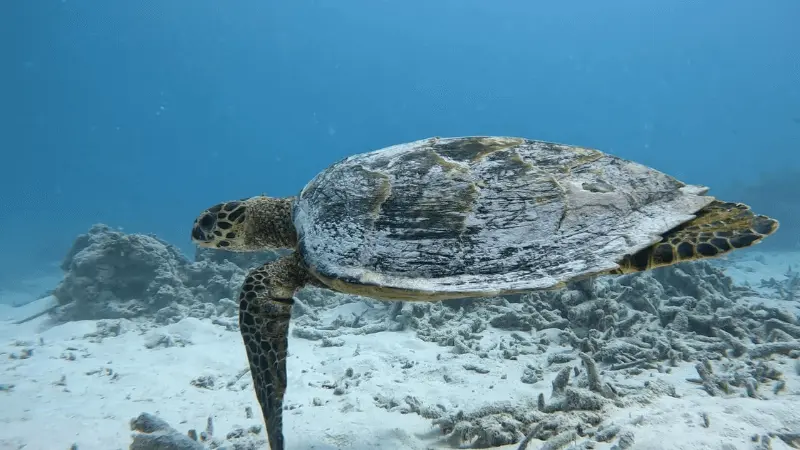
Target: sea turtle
x,y
445,218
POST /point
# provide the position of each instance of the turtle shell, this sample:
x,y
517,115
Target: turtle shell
x,y
473,215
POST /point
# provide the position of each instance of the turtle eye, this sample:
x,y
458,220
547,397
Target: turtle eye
x,y
207,222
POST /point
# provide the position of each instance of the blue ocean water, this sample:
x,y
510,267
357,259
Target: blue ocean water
x,y
140,114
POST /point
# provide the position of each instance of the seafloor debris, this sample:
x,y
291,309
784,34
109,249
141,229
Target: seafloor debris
x,y
153,433
792,439
573,412
788,288
685,313
617,326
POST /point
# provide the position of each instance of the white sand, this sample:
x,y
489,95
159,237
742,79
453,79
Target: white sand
x,y
92,410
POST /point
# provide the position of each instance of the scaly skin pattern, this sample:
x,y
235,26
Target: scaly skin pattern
x,y
248,225
265,308
717,229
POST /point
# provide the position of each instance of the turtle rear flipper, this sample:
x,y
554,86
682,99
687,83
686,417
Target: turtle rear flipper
x,y
719,228
265,308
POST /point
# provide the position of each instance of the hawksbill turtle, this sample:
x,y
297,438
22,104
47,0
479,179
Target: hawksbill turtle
x,y
445,218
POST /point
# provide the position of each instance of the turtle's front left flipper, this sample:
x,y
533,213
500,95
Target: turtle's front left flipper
x,y
265,307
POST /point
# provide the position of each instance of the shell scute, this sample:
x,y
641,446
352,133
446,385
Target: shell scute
x,y
480,214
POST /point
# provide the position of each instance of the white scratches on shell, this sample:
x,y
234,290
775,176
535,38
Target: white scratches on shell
x,y
536,214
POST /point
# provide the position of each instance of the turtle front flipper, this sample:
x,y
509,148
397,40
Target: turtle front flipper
x,y
719,228
265,308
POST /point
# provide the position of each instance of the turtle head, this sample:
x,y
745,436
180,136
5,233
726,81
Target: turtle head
x,y
248,225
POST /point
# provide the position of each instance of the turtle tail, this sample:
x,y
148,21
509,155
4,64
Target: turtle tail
x,y
719,228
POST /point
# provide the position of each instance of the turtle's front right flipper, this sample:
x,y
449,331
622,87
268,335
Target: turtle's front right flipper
x,y
265,307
